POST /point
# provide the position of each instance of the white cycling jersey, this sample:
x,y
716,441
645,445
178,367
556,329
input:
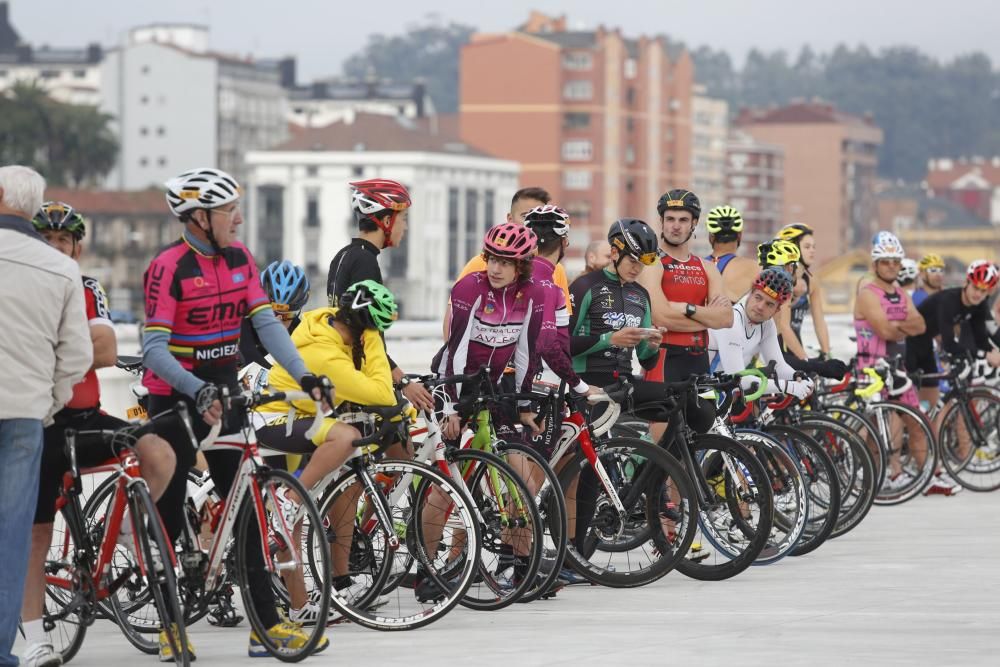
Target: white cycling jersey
x,y
733,349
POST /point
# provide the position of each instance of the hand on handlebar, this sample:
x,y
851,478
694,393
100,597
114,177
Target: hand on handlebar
x,y
451,427
529,420
417,394
319,388
208,405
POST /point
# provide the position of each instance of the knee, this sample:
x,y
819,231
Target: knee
x,y
156,455
341,434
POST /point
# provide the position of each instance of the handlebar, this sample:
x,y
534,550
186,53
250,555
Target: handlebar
x,y
877,384
249,400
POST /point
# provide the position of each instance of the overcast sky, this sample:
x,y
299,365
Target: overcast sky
x,y
324,32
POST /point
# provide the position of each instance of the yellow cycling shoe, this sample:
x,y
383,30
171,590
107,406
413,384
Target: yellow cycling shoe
x,y
167,651
286,635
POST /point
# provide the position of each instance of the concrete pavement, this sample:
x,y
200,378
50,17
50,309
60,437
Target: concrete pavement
x,y
912,585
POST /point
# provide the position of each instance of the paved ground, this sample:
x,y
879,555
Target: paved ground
x,y
913,585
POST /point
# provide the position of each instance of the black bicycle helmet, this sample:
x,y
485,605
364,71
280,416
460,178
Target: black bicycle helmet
x,y
679,199
635,238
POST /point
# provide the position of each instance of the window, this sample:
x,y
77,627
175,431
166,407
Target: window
x,y
453,232
161,131
629,185
576,121
312,208
144,99
578,150
473,235
630,96
738,182
270,230
489,203
79,74
631,68
143,162
49,74
577,60
312,171
578,90
161,161
358,171
3,73
143,131
576,179
578,211
144,69
629,124
629,154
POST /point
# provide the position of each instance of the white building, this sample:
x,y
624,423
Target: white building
x,y
179,106
710,134
71,75
299,204
325,102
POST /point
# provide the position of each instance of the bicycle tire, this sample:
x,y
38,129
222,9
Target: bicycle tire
x,y
879,413
664,493
67,633
318,558
754,488
979,468
552,505
856,421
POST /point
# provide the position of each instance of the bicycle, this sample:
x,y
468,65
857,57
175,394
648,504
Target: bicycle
x,y
79,575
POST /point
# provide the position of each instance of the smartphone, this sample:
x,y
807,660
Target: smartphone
x,y
649,333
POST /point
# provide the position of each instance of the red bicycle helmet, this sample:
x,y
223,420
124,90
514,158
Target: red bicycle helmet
x,y
983,274
510,241
376,195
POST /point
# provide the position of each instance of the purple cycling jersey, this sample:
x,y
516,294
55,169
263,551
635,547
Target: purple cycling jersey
x,y
201,301
492,327
556,354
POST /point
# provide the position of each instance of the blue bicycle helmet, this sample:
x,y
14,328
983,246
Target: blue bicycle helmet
x,y
286,285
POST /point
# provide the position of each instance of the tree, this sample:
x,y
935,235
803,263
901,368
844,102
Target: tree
x,y
70,145
429,51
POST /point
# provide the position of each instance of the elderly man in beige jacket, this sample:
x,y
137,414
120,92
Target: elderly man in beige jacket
x,y
45,349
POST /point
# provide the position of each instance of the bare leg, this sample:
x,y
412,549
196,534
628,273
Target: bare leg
x,y
34,584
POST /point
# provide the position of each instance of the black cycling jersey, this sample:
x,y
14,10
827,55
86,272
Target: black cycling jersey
x,y
602,304
252,351
356,261
942,312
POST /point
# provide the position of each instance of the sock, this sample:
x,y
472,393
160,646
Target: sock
x,y
34,633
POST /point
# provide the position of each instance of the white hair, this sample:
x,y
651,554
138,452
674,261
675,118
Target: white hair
x,y
22,189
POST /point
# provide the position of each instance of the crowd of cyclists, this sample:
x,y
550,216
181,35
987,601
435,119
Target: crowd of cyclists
x,y
652,345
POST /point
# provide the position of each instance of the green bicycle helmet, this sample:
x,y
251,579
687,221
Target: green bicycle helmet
x,y
724,221
60,217
371,303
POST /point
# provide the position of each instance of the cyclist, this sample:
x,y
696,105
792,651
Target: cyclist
x,y
725,231
688,298
755,334
884,316
344,343
612,322
381,209
808,295
198,290
931,277
64,229
287,287
597,256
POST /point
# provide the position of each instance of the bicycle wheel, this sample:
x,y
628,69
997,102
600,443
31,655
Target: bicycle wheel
x,y
822,485
425,507
911,457
856,422
969,436
648,495
735,503
551,505
61,616
132,606
855,468
266,513
511,529
158,566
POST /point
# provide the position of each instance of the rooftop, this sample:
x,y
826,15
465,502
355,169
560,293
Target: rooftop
x,y
13,50
111,202
378,132
800,111
339,89
934,213
944,173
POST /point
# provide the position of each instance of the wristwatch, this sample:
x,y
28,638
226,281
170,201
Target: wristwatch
x,y
404,382
690,310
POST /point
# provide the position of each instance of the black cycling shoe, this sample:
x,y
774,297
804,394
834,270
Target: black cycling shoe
x,y
428,590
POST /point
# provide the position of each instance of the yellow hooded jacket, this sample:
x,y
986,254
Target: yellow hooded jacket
x,y
325,353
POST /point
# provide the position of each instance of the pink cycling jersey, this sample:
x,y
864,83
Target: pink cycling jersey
x,y
200,301
871,346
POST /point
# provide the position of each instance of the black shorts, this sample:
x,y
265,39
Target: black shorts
x,y
920,357
89,452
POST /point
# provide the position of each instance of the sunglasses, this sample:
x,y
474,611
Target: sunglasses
x,y
647,258
934,270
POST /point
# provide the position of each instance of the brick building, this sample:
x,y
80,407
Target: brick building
x,y
600,120
973,184
755,181
830,160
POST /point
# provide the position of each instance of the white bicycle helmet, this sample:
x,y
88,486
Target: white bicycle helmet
x,y
885,245
908,271
201,188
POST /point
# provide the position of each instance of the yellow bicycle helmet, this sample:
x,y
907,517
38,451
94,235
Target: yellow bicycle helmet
x,y
779,252
931,261
794,232
724,220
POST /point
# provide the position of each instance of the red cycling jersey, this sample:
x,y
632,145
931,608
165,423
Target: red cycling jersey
x,y
87,392
200,301
685,282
